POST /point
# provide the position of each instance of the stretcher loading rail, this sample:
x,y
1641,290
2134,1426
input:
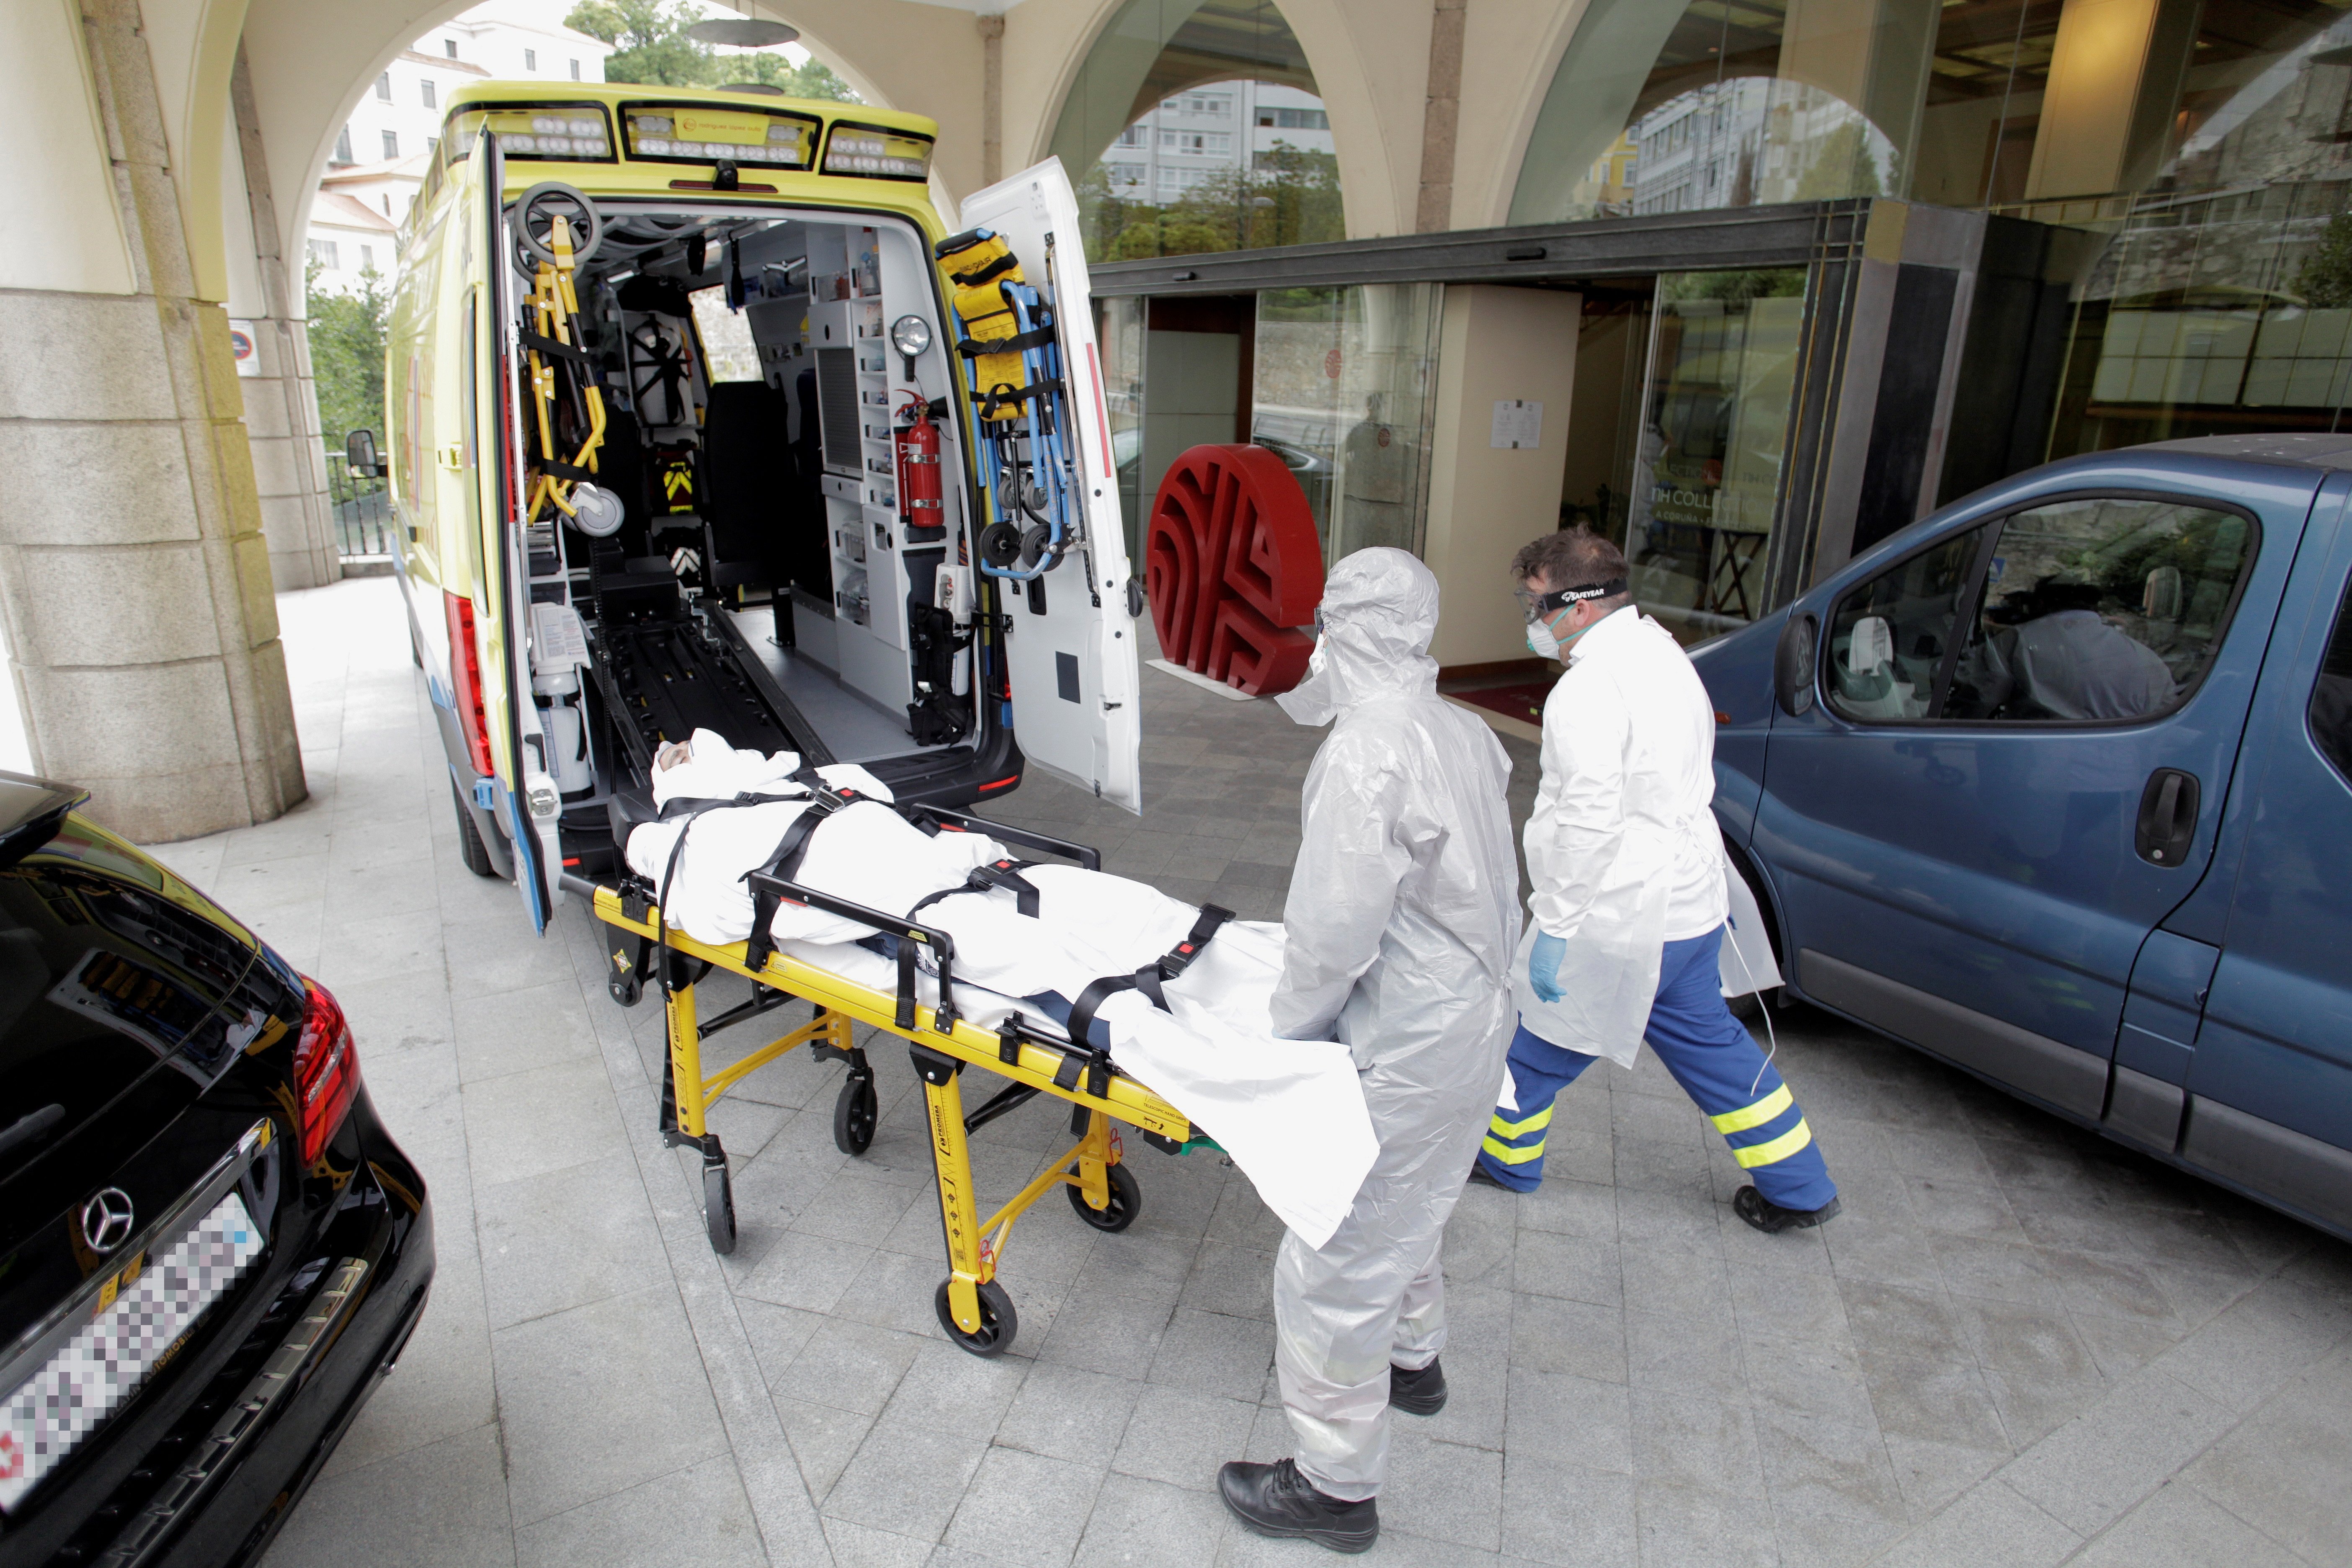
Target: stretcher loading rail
x,y
973,1307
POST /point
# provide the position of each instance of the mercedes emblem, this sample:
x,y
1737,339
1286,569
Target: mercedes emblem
x,y
106,1220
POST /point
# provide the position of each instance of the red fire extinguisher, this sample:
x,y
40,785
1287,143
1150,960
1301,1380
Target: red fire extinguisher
x,y
917,445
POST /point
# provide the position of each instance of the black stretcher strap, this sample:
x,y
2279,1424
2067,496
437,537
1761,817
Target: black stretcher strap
x,y
1035,338
690,808
996,268
786,863
1005,874
556,471
1151,980
553,348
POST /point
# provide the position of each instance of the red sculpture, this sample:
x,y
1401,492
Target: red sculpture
x,y
1233,567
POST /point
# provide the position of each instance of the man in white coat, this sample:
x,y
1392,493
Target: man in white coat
x,y
1627,914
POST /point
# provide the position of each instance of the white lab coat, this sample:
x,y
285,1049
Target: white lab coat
x,y
1622,847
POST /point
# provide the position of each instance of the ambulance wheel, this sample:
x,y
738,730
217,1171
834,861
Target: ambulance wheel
x,y
535,218
998,1321
718,1208
470,847
854,1116
1118,1212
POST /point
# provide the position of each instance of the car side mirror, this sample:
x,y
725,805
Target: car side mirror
x,y
1792,665
359,451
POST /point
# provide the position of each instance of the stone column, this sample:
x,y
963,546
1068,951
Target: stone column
x,y
134,582
992,97
1441,118
282,403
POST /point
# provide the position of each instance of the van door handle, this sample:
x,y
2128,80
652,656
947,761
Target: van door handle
x,y
2167,818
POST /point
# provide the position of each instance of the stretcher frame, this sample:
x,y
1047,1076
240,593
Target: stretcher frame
x,y
973,1307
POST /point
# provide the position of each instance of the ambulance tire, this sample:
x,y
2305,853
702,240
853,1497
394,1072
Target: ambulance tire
x,y
470,847
854,1115
998,1321
718,1207
1124,1202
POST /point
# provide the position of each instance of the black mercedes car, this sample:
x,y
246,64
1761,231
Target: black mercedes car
x,y
210,1249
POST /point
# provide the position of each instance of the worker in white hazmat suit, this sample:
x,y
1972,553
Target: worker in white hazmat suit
x,y
1403,915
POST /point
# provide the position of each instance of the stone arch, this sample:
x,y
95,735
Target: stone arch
x,y
1376,155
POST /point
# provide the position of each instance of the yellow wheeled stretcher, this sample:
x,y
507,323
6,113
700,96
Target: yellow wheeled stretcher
x,y
972,1307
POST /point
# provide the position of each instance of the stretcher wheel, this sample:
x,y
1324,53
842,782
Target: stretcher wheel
x,y
998,1321
1124,1202
718,1207
854,1115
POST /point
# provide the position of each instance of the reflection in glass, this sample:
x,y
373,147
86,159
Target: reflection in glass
x,y
1707,455
1118,336
1888,638
1344,385
1195,125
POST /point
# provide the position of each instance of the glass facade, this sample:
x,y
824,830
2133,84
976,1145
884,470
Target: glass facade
x,y
1708,450
1343,391
1195,125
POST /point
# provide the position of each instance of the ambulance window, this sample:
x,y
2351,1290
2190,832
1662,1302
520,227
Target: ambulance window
x,y
727,349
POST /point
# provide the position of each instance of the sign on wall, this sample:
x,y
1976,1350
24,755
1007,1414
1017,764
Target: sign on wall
x,y
1519,423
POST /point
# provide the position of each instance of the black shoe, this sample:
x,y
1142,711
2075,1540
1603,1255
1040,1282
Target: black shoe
x,y
1770,1217
1419,1392
1275,1499
1485,1178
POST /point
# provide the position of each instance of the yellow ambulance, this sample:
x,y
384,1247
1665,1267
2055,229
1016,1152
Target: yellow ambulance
x,y
698,416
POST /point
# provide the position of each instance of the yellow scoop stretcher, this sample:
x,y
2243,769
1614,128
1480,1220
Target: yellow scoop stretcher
x,y
972,1307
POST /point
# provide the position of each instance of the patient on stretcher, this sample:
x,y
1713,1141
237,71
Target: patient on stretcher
x,y
1290,1113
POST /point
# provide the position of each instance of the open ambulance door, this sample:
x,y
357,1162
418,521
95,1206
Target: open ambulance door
x,y
509,717
1070,652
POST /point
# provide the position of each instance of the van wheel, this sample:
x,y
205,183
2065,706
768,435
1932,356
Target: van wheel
x,y
470,847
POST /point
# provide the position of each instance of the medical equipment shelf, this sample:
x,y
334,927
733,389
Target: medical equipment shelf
x,y
972,1307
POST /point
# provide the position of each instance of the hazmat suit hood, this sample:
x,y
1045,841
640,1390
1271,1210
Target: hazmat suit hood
x,y
1378,611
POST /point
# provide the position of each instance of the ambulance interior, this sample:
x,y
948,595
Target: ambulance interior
x,y
742,557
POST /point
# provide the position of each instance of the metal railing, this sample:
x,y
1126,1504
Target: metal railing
x,y
362,510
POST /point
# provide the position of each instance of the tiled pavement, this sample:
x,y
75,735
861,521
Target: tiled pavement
x,y
2018,1346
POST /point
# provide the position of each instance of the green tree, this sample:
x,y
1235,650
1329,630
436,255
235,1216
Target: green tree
x,y
651,48
1290,197
2325,280
347,334
1841,166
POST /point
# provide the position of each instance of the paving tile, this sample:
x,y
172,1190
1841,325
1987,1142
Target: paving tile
x,y
699,1515
600,1397
526,1124
1679,1284
1944,1402
1140,1523
849,1366
1932,1473
2284,1467
1683,1527
1577,1268
1556,1513
1024,1507
1685,1354
514,1031
1064,1413
1710,1443
1181,1438
1789,1305
1885,1321
1989,1523
1803,1377
1818,1467
1573,1420
806,1271
571,1236
1443,1491
2257,1344
2177,1527
2098,1465
468,1523
907,1477
1210,1352
1548,1334
1570,1207
822,1440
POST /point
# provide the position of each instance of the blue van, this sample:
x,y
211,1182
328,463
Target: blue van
x,y
2056,785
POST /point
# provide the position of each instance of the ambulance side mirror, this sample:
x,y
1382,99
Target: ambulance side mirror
x,y
359,451
1792,665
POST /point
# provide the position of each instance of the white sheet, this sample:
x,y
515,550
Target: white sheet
x,y
1290,1113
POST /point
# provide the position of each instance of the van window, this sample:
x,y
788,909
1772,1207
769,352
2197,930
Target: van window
x,y
2330,714
1888,638
2104,608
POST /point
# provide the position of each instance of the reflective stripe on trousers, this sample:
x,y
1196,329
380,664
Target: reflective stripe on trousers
x,y
1713,1058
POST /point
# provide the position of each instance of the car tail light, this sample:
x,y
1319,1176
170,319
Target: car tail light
x,y
466,675
326,1070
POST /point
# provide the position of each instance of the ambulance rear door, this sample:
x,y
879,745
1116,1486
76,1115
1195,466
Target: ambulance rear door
x,y
1071,649
501,609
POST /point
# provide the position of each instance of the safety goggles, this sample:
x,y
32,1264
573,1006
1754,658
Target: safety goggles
x,y
1542,607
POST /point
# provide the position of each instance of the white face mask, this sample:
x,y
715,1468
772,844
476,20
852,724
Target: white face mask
x,y
1545,644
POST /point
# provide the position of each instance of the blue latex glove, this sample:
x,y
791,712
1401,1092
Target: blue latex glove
x,y
1543,966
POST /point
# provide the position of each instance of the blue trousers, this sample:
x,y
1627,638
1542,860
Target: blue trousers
x,y
1709,1054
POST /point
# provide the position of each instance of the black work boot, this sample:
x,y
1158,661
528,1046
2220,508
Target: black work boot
x,y
1275,1499
1419,1392
1769,1217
